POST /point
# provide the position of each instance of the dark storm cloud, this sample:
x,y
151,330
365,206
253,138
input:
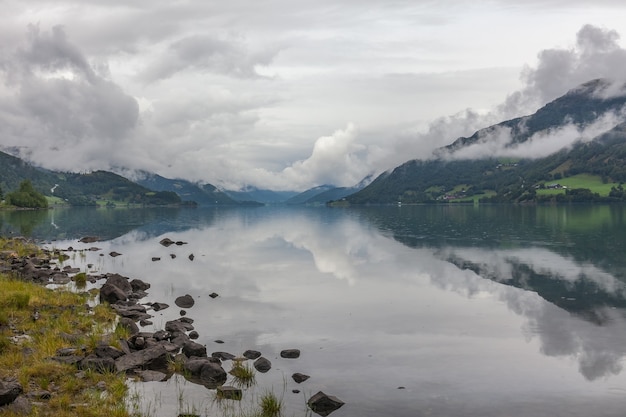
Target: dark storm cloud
x,y
52,52
55,101
596,54
206,53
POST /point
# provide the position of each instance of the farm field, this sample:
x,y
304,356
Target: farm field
x,y
591,182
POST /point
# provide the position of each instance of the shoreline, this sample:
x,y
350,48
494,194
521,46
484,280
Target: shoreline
x,y
115,349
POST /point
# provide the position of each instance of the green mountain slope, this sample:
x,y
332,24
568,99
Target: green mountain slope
x,y
103,185
188,191
14,170
262,196
515,180
80,189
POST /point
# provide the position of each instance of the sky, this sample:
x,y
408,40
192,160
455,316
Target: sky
x,y
283,94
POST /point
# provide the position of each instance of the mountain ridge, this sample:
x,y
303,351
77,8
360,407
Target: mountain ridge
x,y
500,179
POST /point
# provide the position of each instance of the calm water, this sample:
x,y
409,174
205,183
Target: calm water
x,y
473,311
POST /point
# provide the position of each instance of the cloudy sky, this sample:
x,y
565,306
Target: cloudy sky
x,y
283,94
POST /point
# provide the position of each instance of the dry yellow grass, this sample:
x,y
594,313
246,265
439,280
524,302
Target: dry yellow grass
x,y
26,345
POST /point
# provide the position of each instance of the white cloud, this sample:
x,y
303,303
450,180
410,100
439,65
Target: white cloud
x,y
242,93
498,142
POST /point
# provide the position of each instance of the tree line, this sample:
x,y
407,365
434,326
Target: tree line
x,y
25,196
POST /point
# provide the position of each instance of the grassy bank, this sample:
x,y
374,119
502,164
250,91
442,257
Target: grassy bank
x,y
35,322
591,182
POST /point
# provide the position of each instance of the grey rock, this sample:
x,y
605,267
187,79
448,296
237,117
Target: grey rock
x,y
94,363
166,242
9,391
184,301
107,351
324,404
153,358
128,324
68,351
124,346
299,378
135,312
251,354
115,289
139,342
159,306
179,339
139,285
40,395
290,353
20,407
68,360
61,278
206,372
151,376
229,393
187,320
193,335
262,365
161,335
224,356
120,282
191,348
178,325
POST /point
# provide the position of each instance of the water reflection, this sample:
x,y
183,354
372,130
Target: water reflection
x,y
475,312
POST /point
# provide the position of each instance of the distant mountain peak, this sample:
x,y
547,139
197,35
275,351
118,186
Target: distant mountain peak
x,y
582,132
580,106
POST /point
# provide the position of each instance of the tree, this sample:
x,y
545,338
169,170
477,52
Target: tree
x,y
27,196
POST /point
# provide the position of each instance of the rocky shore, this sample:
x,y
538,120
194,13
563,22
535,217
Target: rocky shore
x,y
146,356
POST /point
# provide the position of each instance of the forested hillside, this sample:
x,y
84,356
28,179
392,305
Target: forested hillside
x,y
498,179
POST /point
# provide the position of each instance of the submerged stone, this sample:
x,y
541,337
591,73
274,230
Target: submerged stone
x,y
324,404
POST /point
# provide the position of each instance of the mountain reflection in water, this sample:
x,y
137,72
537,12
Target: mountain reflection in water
x,y
476,311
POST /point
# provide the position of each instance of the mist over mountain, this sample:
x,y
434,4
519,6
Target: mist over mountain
x,y
206,194
260,195
582,132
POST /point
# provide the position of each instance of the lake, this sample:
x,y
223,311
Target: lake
x,y
397,311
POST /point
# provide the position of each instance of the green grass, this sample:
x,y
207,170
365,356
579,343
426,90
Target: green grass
x,y
270,405
56,201
243,374
458,188
591,182
474,198
59,312
80,280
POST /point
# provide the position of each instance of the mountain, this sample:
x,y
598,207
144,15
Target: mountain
x,y
309,194
330,195
14,170
447,177
579,106
324,193
262,196
79,189
86,189
207,194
